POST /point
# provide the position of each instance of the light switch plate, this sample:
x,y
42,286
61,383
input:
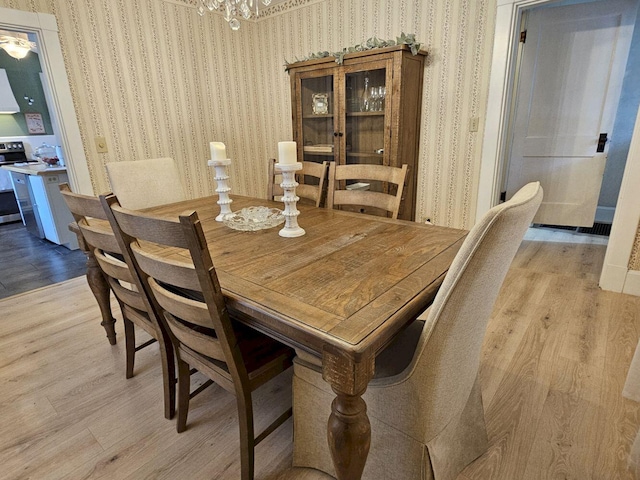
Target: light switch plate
x,y
101,145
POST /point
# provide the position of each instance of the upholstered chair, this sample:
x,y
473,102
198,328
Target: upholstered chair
x,y
146,183
425,403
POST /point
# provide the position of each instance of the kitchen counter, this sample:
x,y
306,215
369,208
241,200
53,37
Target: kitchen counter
x,y
30,170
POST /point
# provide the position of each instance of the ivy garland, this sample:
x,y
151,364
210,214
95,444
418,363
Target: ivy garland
x,y
374,42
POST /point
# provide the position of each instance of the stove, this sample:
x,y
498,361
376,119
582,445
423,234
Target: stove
x,y
10,153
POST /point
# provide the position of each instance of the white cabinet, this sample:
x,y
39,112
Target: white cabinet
x,y
51,208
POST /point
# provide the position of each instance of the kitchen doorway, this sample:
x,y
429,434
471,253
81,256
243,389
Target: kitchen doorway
x,y
55,81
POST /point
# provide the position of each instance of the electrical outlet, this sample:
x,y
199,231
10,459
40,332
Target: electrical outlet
x,y
474,123
101,145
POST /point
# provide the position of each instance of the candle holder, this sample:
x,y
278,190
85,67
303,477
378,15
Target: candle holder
x,y
222,188
289,184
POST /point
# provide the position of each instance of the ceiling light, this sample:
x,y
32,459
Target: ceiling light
x,y
232,9
16,47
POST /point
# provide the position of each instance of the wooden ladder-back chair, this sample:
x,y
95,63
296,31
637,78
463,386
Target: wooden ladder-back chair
x,y
146,183
306,191
92,221
425,402
394,177
186,287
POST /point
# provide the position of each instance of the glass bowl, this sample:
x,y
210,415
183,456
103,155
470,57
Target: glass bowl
x,y
251,219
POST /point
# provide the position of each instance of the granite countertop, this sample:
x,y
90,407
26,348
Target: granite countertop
x,y
30,170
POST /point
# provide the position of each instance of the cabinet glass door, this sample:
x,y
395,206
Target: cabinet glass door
x,y
365,121
317,116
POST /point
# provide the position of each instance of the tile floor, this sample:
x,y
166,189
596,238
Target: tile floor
x,y
27,262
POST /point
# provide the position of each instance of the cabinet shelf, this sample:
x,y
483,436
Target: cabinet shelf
x,y
323,115
323,154
364,154
365,114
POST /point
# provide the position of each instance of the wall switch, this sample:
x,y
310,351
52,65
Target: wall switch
x,y
101,145
474,123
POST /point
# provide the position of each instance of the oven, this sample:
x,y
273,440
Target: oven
x,y
10,153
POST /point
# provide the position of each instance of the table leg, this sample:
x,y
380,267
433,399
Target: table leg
x,y
98,285
101,291
348,429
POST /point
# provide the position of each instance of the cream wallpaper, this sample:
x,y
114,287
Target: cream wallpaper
x,y
634,261
157,80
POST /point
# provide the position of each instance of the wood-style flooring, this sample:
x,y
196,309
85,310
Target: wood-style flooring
x,y
553,366
27,262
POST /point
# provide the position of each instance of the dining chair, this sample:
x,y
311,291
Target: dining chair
x,y
146,183
205,334
424,402
306,191
91,219
342,177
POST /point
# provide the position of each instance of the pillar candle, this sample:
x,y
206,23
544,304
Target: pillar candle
x,y
218,151
287,153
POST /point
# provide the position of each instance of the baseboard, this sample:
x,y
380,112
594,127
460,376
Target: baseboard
x,y
605,214
613,277
632,283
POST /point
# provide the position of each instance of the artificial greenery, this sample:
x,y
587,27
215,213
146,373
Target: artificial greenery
x,y
374,42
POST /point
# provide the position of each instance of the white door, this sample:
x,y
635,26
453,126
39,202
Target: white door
x,y
573,63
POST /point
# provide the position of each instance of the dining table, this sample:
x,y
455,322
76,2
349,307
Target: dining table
x,y
342,291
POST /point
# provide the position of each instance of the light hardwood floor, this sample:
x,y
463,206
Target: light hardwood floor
x,y
554,362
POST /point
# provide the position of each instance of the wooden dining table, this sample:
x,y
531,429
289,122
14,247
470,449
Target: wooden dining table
x,y
342,291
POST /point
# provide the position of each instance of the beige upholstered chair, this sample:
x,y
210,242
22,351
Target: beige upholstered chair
x,y
425,403
339,193
136,310
306,191
203,332
146,183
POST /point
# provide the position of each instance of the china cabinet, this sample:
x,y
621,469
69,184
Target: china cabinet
x,y
365,110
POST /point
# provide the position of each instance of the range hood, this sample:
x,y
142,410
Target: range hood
x,y
8,102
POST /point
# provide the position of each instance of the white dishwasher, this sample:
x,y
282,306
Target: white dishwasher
x,y
54,215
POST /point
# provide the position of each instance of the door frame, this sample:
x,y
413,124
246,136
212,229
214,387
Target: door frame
x,y
65,124
615,275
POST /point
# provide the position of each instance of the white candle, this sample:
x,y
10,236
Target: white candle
x,y
287,153
218,151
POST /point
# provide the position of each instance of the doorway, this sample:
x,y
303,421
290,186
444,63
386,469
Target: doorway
x,y
502,86
55,81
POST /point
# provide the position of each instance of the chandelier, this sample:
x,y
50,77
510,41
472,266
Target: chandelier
x,y
16,47
232,9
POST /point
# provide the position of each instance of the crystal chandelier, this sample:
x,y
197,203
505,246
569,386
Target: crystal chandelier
x,y
232,9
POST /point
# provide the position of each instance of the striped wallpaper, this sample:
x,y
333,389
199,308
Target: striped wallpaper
x,y
158,80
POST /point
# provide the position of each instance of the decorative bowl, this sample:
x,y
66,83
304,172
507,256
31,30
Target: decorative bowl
x,y
251,219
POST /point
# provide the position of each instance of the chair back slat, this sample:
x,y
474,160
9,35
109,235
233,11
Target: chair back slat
x,y
172,272
372,199
82,204
380,173
151,229
99,237
114,267
129,297
389,200
188,309
197,341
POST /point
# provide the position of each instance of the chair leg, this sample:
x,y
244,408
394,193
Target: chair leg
x,y
130,344
247,438
167,359
184,384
